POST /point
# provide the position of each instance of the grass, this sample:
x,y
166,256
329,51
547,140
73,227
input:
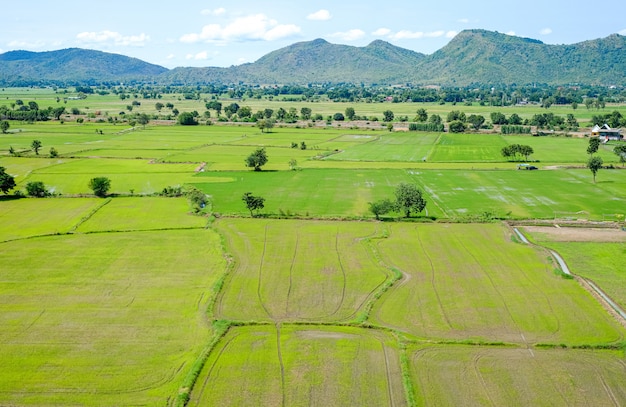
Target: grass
x,y
505,376
113,319
472,282
598,262
302,365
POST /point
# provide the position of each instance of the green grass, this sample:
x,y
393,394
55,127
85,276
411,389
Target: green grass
x,y
308,192
279,262
36,217
472,282
410,147
461,375
468,147
316,365
106,319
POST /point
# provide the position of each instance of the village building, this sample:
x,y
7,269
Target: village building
x,y
606,133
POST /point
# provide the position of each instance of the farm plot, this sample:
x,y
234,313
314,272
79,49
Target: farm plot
x,y
468,148
140,176
600,262
36,217
142,213
521,194
471,282
298,270
297,365
320,192
478,376
562,150
108,319
410,147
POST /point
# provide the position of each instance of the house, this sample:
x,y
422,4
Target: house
x,y
605,133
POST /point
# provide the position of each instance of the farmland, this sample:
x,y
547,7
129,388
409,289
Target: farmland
x,y
134,299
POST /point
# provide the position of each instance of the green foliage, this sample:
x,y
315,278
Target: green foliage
x,y
257,159
431,127
36,145
421,115
37,189
7,182
456,115
476,121
100,186
594,164
339,117
53,152
198,200
187,119
253,203
409,199
350,113
381,207
4,126
456,126
515,129
594,145
620,151
388,116
513,150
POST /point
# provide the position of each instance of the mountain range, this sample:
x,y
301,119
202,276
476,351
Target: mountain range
x,y
472,57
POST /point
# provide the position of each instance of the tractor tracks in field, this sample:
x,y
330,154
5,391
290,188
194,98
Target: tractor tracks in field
x,y
432,280
293,262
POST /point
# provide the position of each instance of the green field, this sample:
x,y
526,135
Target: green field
x,y
133,300
294,365
505,377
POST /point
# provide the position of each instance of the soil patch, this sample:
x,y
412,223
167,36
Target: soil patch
x,y
578,234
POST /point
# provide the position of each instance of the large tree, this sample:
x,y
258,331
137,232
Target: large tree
x,y
350,113
187,119
388,116
594,164
253,203
4,126
100,186
37,189
422,115
409,199
7,182
476,121
381,207
257,159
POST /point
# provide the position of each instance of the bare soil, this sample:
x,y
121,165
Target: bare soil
x,y
579,234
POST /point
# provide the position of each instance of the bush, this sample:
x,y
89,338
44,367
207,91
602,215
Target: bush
x,y
37,189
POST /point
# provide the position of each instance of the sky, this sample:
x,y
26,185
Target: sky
x,y
212,33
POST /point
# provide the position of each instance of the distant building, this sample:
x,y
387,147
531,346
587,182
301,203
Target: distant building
x,y
606,133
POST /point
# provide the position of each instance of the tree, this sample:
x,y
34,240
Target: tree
x,y
456,126
456,115
264,124
4,126
158,106
37,189
305,113
594,164
525,151
350,113
197,199
339,117
217,106
498,118
594,145
514,119
187,119
620,151
293,164
257,159
231,109
409,198
253,203
422,115
58,112
100,186
53,152
435,119
476,121
143,119
388,116
36,145
381,207
7,182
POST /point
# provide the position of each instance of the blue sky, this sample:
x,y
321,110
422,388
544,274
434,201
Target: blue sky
x,y
211,33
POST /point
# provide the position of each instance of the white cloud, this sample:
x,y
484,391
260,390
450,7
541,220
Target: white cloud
x,y
451,34
321,15
411,35
217,12
351,35
464,20
623,32
26,44
546,31
254,27
382,32
170,56
113,37
200,56
512,33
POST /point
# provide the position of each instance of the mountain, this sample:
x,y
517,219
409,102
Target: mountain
x,y
73,65
479,56
310,62
473,56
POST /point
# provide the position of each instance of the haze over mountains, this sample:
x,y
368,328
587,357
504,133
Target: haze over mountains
x,y
472,57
